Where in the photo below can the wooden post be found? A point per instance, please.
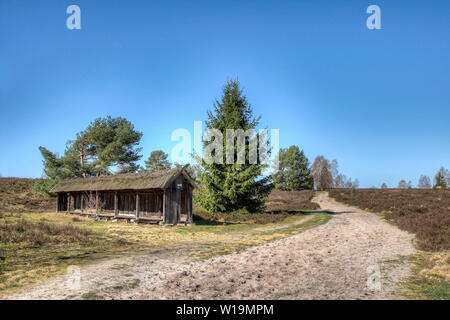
(164, 207)
(137, 205)
(81, 201)
(69, 198)
(96, 201)
(189, 203)
(116, 204)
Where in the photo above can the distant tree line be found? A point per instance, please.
(441, 181)
(295, 172)
(111, 145)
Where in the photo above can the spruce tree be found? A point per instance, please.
(293, 172)
(226, 186)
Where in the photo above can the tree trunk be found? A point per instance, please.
(81, 156)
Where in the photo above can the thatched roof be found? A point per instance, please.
(131, 181)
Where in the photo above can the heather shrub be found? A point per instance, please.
(41, 233)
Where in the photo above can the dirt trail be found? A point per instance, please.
(109, 279)
(332, 261)
(328, 262)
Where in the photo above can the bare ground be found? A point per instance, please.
(332, 261)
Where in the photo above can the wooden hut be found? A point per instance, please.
(163, 196)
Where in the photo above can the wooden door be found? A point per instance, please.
(172, 207)
(177, 206)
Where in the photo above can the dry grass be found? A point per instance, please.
(25, 263)
(431, 277)
(39, 245)
(203, 217)
(41, 233)
(438, 266)
(36, 246)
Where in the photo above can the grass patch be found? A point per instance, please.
(202, 217)
(431, 277)
(428, 289)
(243, 238)
(91, 295)
(37, 246)
(25, 262)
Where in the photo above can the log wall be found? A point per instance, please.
(170, 206)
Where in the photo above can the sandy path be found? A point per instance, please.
(109, 279)
(332, 261)
(328, 262)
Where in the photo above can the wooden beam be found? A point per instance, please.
(189, 204)
(164, 206)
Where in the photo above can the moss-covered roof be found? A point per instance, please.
(131, 181)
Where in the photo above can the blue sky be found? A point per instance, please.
(376, 100)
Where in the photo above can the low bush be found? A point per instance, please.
(16, 196)
(278, 207)
(286, 201)
(41, 187)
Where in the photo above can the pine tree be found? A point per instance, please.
(106, 143)
(293, 172)
(440, 180)
(232, 186)
(157, 161)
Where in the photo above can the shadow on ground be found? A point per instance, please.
(325, 212)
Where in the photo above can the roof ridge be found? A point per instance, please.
(121, 175)
(141, 180)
